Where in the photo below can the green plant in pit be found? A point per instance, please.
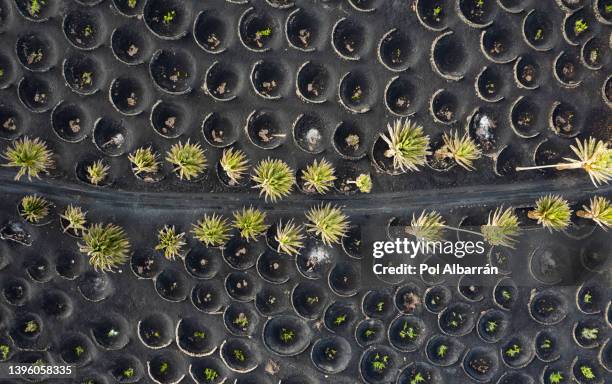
(491, 326)
(4, 352)
(379, 363)
(163, 368)
(363, 182)
(132, 3)
(112, 333)
(480, 3)
(88, 30)
(289, 238)
(287, 335)
(580, 26)
(188, 159)
(501, 227)
(587, 372)
(553, 212)
(75, 219)
(506, 294)
(513, 351)
(78, 350)
(1, 72)
(274, 178)
(241, 320)
(369, 333)
(35, 6)
(250, 222)
(97, 172)
(608, 8)
(312, 300)
(380, 306)
(210, 374)
(546, 344)
(589, 333)
(407, 145)
(587, 298)
(266, 32)
(31, 327)
(555, 377)
(429, 226)
(418, 378)
(408, 332)
(441, 350)
(330, 353)
(169, 16)
(31, 156)
(107, 246)
(199, 335)
(462, 149)
(437, 11)
(539, 34)
(129, 373)
(592, 155)
(600, 211)
(171, 242)
(34, 208)
(339, 320)
(319, 176)
(212, 231)
(234, 163)
(239, 355)
(328, 222)
(144, 160)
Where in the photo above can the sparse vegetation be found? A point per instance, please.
(169, 17)
(31, 156)
(287, 335)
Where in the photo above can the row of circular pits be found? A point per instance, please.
(195, 339)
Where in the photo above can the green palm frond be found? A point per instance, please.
(107, 246)
(599, 210)
(35, 208)
(319, 176)
(289, 238)
(429, 226)
(212, 231)
(250, 222)
(144, 160)
(75, 218)
(31, 156)
(408, 145)
(501, 228)
(171, 242)
(462, 149)
(188, 159)
(235, 164)
(274, 178)
(553, 212)
(328, 222)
